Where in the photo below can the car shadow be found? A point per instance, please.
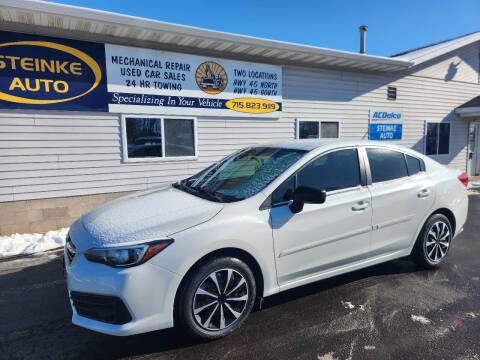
(160, 341)
(371, 274)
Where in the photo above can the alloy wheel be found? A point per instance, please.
(220, 300)
(437, 241)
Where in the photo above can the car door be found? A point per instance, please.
(400, 201)
(322, 236)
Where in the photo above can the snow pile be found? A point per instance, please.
(31, 243)
(348, 305)
(421, 319)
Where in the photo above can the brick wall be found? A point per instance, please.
(42, 215)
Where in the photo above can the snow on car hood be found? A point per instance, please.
(145, 216)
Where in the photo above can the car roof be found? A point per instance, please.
(312, 144)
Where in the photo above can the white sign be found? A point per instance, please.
(160, 82)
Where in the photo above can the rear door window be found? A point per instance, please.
(386, 164)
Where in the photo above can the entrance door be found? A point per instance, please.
(477, 150)
(473, 149)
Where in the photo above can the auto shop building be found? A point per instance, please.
(95, 104)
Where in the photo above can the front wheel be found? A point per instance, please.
(216, 298)
(434, 242)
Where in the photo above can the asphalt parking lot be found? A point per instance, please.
(389, 311)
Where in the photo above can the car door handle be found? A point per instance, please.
(361, 205)
(424, 193)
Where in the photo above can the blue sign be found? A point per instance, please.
(38, 72)
(172, 101)
(385, 132)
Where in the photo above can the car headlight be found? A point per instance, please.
(126, 256)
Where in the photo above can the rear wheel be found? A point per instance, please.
(216, 298)
(434, 242)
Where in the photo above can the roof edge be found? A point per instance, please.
(468, 111)
(449, 46)
(156, 25)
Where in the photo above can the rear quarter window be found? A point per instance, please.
(414, 165)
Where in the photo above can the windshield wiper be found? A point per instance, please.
(210, 195)
(197, 191)
(182, 186)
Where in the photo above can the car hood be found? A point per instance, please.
(144, 216)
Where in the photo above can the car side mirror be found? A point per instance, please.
(306, 195)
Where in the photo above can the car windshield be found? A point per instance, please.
(242, 174)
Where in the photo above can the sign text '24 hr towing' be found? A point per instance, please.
(151, 69)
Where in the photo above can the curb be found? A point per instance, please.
(21, 256)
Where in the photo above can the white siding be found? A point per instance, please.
(460, 65)
(67, 154)
(63, 154)
(423, 95)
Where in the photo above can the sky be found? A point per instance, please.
(393, 26)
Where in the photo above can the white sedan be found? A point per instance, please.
(198, 254)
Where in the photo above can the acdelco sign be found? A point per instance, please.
(385, 124)
(47, 73)
(385, 115)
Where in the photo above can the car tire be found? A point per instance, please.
(211, 309)
(433, 242)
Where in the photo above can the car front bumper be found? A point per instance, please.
(146, 292)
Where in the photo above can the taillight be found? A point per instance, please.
(463, 177)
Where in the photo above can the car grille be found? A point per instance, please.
(103, 308)
(70, 249)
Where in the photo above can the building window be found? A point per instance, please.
(437, 139)
(148, 138)
(179, 137)
(314, 129)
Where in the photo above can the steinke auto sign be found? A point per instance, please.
(44, 73)
(58, 74)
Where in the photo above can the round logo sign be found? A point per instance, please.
(211, 77)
